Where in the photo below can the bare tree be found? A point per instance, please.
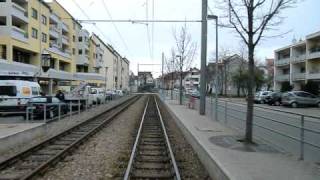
(183, 53)
(251, 19)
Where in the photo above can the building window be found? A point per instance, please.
(80, 51)
(34, 33)
(34, 13)
(2, 0)
(3, 51)
(73, 51)
(44, 37)
(80, 39)
(44, 19)
(74, 38)
(3, 20)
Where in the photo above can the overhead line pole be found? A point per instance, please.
(202, 109)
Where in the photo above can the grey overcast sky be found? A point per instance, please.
(131, 40)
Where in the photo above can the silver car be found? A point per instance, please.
(297, 98)
(260, 96)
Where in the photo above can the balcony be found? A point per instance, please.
(283, 77)
(19, 12)
(65, 27)
(82, 60)
(314, 53)
(299, 58)
(88, 76)
(314, 75)
(65, 40)
(54, 48)
(54, 31)
(282, 62)
(299, 76)
(19, 34)
(55, 18)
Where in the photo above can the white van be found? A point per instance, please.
(14, 95)
(98, 94)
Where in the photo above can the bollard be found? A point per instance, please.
(225, 111)
(302, 138)
(32, 113)
(87, 104)
(45, 113)
(59, 112)
(79, 106)
(27, 114)
(70, 106)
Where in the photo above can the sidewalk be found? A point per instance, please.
(226, 158)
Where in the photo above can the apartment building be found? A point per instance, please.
(191, 79)
(298, 63)
(32, 30)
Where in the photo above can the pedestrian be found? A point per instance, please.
(60, 95)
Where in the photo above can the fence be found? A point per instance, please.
(296, 133)
(56, 111)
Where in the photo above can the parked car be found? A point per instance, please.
(274, 98)
(195, 94)
(300, 98)
(37, 104)
(98, 94)
(260, 96)
(14, 95)
(119, 93)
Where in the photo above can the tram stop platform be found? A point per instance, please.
(225, 158)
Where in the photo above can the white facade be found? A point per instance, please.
(298, 63)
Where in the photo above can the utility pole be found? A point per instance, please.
(162, 84)
(202, 110)
(180, 88)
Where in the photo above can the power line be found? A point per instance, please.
(148, 32)
(115, 26)
(140, 20)
(87, 16)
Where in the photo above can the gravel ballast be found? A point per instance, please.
(188, 162)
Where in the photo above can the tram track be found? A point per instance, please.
(152, 156)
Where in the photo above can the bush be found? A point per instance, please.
(286, 87)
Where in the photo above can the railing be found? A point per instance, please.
(73, 108)
(65, 26)
(20, 11)
(19, 34)
(314, 75)
(289, 131)
(284, 77)
(299, 76)
(299, 58)
(282, 61)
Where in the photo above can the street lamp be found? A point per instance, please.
(217, 68)
(45, 61)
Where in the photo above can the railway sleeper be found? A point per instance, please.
(152, 174)
(152, 165)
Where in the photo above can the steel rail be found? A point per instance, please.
(134, 152)
(176, 170)
(93, 124)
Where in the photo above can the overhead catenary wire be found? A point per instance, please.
(115, 26)
(87, 16)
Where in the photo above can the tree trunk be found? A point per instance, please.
(180, 92)
(249, 118)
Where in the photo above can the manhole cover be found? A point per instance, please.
(234, 142)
